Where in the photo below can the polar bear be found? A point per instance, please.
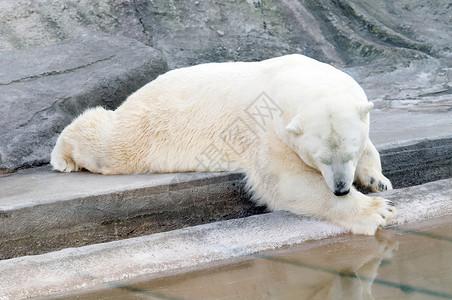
(298, 129)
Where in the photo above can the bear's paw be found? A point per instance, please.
(373, 180)
(378, 212)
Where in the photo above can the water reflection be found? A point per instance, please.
(347, 267)
(397, 263)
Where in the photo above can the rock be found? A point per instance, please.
(187, 32)
(43, 89)
(402, 61)
(343, 32)
(399, 51)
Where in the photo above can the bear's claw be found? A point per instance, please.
(382, 186)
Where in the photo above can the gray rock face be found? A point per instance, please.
(399, 51)
(187, 32)
(43, 89)
(191, 32)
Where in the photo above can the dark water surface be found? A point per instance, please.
(405, 262)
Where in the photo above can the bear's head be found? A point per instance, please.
(331, 139)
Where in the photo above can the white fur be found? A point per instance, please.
(310, 138)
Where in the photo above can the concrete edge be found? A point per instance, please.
(190, 192)
(171, 182)
(100, 264)
(124, 214)
(411, 142)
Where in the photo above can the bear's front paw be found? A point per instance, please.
(373, 181)
(378, 212)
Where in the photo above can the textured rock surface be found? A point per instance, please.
(419, 163)
(348, 31)
(400, 51)
(188, 32)
(43, 89)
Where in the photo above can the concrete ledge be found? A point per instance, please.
(389, 129)
(415, 148)
(42, 210)
(101, 264)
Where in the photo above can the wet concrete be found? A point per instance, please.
(403, 262)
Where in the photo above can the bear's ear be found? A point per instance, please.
(364, 109)
(295, 127)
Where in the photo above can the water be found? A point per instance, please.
(405, 262)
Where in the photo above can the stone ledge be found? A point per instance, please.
(45, 210)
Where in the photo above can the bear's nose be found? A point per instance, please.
(340, 189)
(341, 192)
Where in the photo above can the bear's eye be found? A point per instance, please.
(349, 157)
(326, 161)
(323, 158)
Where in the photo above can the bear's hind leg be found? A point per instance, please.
(61, 157)
(368, 173)
(84, 143)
